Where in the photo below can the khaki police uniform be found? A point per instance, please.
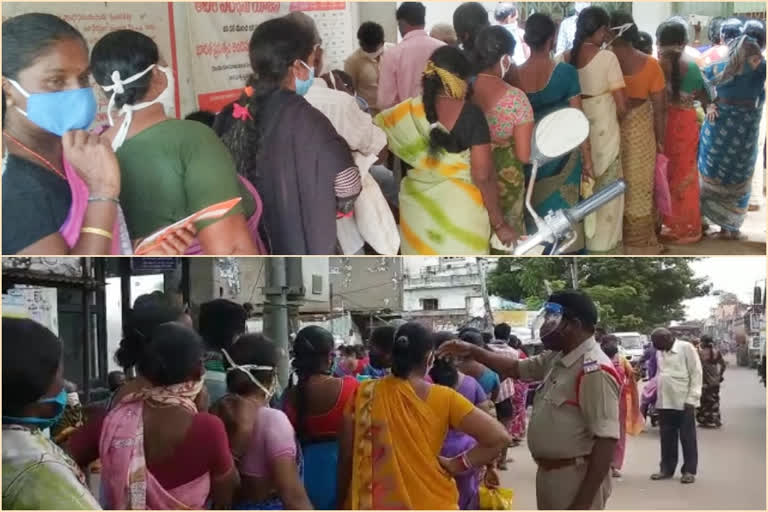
(578, 401)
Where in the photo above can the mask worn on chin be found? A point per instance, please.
(165, 98)
(302, 86)
(59, 400)
(61, 111)
(375, 55)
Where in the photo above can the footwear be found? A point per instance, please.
(661, 476)
(687, 479)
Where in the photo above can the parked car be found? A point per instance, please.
(632, 346)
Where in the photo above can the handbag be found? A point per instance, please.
(492, 495)
(662, 195)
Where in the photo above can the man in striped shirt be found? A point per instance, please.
(505, 411)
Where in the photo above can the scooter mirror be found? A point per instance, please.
(559, 133)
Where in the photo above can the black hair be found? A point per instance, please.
(632, 34)
(730, 30)
(347, 350)
(577, 305)
(359, 351)
(491, 45)
(715, 24)
(370, 35)
(504, 10)
(473, 336)
(707, 340)
(515, 342)
(539, 28)
(413, 342)
(468, 20)
(29, 36)
(610, 345)
(149, 311)
(115, 379)
(312, 348)
(202, 116)
(250, 349)
(413, 13)
(673, 33)
(31, 360)
(590, 20)
(644, 43)
(221, 321)
(173, 352)
(487, 338)
(502, 331)
(275, 45)
(454, 61)
(444, 371)
(128, 52)
(342, 79)
(756, 30)
(384, 338)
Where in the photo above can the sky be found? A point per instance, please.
(735, 274)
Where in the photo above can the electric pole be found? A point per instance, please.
(276, 313)
(484, 291)
(574, 272)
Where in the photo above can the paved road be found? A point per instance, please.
(732, 473)
(753, 243)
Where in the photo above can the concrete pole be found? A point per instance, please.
(276, 313)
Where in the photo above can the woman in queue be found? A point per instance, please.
(642, 136)
(604, 103)
(262, 440)
(510, 119)
(182, 458)
(287, 149)
(685, 86)
(315, 405)
(37, 474)
(449, 201)
(61, 185)
(394, 433)
(550, 86)
(729, 144)
(189, 168)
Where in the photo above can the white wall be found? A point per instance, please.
(447, 298)
(648, 15)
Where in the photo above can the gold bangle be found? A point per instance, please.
(97, 231)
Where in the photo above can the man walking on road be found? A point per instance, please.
(678, 395)
(574, 426)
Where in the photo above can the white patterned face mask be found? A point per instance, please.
(247, 368)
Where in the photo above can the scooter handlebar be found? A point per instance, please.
(609, 193)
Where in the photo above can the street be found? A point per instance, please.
(731, 460)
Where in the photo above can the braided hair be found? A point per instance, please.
(447, 61)
(673, 34)
(275, 45)
(590, 20)
(312, 350)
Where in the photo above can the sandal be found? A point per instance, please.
(687, 479)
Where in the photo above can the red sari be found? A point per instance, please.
(681, 144)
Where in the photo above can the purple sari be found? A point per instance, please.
(457, 443)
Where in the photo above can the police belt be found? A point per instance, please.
(553, 464)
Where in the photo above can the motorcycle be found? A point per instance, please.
(558, 228)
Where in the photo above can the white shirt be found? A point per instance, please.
(373, 221)
(680, 377)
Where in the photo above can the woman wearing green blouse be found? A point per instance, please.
(170, 169)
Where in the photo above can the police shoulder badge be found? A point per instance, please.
(590, 366)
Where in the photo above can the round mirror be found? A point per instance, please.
(560, 132)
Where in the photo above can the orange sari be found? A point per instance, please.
(398, 437)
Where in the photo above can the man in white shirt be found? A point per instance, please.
(678, 396)
(506, 15)
(567, 30)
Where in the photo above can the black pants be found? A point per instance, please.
(674, 425)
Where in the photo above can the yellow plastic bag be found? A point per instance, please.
(496, 498)
(492, 495)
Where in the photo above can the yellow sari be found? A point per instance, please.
(398, 438)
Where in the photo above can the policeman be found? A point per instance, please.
(574, 426)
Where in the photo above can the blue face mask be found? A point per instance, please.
(43, 423)
(62, 111)
(302, 86)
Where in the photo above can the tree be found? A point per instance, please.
(632, 294)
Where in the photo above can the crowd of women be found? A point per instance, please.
(202, 421)
(465, 139)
